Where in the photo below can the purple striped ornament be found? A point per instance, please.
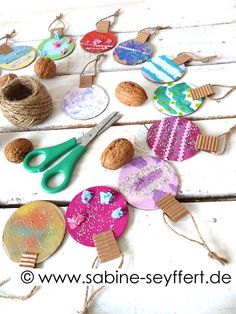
(173, 138)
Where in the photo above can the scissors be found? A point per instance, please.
(66, 166)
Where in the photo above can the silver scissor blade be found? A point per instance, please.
(99, 128)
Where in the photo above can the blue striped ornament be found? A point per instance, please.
(162, 69)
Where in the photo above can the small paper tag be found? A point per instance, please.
(172, 208)
(107, 246)
(5, 49)
(28, 260)
(59, 31)
(207, 143)
(182, 58)
(86, 81)
(103, 26)
(202, 91)
(142, 37)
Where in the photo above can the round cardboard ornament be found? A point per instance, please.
(162, 69)
(173, 138)
(87, 100)
(96, 210)
(59, 45)
(144, 180)
(37, 227)
(15, 57)
(175, 99)
(101, 39)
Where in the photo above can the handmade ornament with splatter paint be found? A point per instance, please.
(176, 138)
(164, 69)
(59, 45)
(151, 183)
(15, 57)
(35, 228)
(87, 100)
(100, 214)
(145, 179)
(102, 39)
(181, 99)
(137, 50)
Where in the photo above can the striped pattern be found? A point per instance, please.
(202, 91)
(28, 260)
(162, 69)
(182, 58)
(107, 246)
(173, 138)
(86, 81)
(172, 208)
(207, 143)
(142, 37)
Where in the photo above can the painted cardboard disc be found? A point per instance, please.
(95, 210)
(85, 103)
(162, 69)
(37, 227)
(131, 52)
(173, 138)
(20, 57)
(174, 99)
(144, 180)
(56, 48)
(97, 42)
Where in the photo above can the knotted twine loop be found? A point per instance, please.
(195, 57)
(59, 19)
(25, 101)
(154, 30)
(14, 297)
(211, 254)
(87, 300)
(95, 64)
(225, 137)
(8, 36)
(115, 15)
(231, 89)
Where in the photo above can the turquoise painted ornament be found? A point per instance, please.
(175, 99)
(15, 57)
(58, 46)
(164, 69)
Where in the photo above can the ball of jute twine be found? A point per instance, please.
(25, 101)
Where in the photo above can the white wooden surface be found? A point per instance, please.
(205, 27)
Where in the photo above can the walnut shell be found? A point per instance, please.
(131, 94)
(45, 68)
(16, 150)
(117, 154)
(7, 78)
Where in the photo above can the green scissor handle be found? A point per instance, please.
(66, 167)
(51, 154)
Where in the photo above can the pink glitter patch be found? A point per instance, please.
(173, 138)
(98, 218)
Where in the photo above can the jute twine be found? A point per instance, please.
(25, 101)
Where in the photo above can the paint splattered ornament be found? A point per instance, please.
(137, 50)
(15, 57)
(95, 210)
(101, 39)
(59, 45)
(86, 100)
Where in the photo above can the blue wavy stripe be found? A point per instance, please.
(152, 75)
(171, 63)
(159, 68)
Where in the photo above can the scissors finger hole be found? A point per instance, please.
(56, 180)
(37, 160)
